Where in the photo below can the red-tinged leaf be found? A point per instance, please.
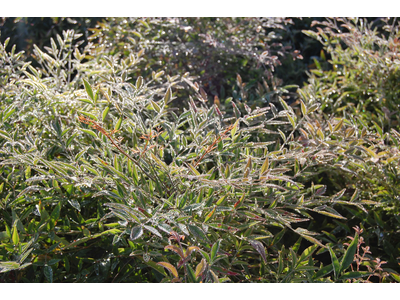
(190, 249)
(175, 236)
(208, 217)
(237, 204)
(169, 267)
(260, 248)
(200, 268)
(176, 249)
(321, 191)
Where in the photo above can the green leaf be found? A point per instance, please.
(191, 274)
(324, 271)
(265, 166)
(278, 237)
(88, 89)
(4, 236)
(395, 276)
(303, 108)
(156, 267)
(291, 120)
(118, 125)
(15, 236)
(136, 232)
(139, 82)
(168, 96)
(338, 125)
(197, 232)
(153, 230)
(214, 251)
(353, 275)
(348, 257)
(9, 265)
(105, 112)
(48, 273)
(209, 215)
(335, 263)
(378, 128)
(90, 132)
(307, 252)
(55, 214)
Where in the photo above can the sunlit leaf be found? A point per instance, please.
(136, 232)
(169, 267)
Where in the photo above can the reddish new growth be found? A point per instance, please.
(211, 147)
(96, 126)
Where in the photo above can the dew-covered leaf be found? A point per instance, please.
(136, 232)
(260, 248)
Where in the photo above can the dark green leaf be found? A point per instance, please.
(214, 251)
(335, 263)
(353, 275)
(349, 255)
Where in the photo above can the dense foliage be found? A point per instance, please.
(179, 150)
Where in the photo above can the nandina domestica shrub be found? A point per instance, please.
(105, 180)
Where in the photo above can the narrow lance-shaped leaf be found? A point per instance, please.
(335, 263)
(176, 249)
(265, 166)
(197, 232)
(338, 125)
(48, 273)
(88, 89)
(303, 108)
(348, 257)
(15, 236)
(208, 217)
(153, 230)
(105, 112)
(168, 96)
(354, 275)
(214, 250)
(200, 268)
(190, 249)
(260, 248)
(169, 267)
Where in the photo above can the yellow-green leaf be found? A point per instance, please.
(200, 268)
(338, 125)
(169, 267)
(88, 89)
(265, 166)
(208, 217)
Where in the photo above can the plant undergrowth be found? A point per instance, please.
(104, 178)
